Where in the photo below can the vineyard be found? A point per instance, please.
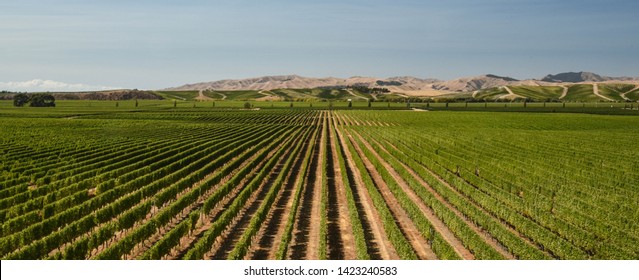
(308, 183)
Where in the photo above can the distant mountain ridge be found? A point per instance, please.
(474, 83)
(397, 84)
(296, 81)
(580, 77)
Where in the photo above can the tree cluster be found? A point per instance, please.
(375, 90)
(34, 100)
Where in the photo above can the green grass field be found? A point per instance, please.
(490, 94)
(581, 93)
(89, 180)
(633, 95)
(614, 91)
(240, 95)
(179, 95)
(538, 93)
(213, 94)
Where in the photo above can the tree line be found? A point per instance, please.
(34, 100)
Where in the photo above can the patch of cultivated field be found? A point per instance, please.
(490, 94)
(611, 89)
(616, 92)
(581, 93)
(633, 95)
(538, 93)
(303, 183)
(179, 95)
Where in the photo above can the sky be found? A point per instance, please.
(156, 44)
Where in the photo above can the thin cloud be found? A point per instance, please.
(38, 85)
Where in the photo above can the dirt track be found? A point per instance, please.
(623, 95)
(595, 90)
(202, 97)
(510, 95)
(564, 93)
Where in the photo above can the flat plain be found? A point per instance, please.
(300, 180)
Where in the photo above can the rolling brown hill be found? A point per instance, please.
(405, 84)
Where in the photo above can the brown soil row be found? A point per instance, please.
(481, 208)
(485, 236)
(385, 249)
(312, 251)
(270, 235)
(406, 225)
(206, 220)
(340, 227)
(117, 235)
(370, 234)
(139, 248)
(351, 121)
(226, 241)
(438, 224)
(148, 243)
(264, 239)
(305, 241)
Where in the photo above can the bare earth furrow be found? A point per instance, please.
(270, 234)
(406, 225)
(385, 247)
(486, 237)
(338, 202)
(506, 225)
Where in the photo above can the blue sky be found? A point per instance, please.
(157, 44)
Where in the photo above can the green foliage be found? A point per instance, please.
(240, 95)
(538, 93)
(20, 99)
(615, 91)
(395, 235)
(633, 95)
(242, 245)
(491, 94)
(358, 230)
(581, 93)
(290, 222)
(101, 181)
(34, 100)
(42, 100)
(520, 186)
(179, 95)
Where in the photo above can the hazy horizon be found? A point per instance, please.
(158, 44)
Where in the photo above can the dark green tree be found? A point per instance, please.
(20, 100)
(42, 100)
